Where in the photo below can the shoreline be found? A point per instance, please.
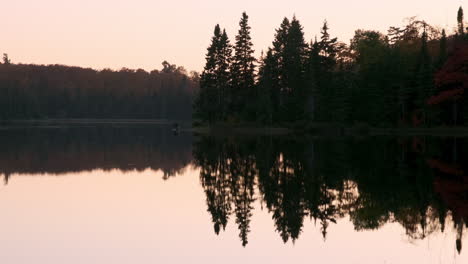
(328, 130)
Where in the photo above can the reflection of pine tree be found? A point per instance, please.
(325, 181)
(215, 179)
(243, 192)
(286, 202)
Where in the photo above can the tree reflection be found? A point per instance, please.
(77, 149)
(372, 181)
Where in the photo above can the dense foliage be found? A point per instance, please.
(55, 91)
(414, 75)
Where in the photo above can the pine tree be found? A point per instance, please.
(461, 26)
(327, 57)
(328, 48)
(211, 104)
(266, 77)
(311, 76)
(206, 102)
(425, 87)
(442, 49)
(243, 72)
(295, 52)
(279, 84)
(223, 75)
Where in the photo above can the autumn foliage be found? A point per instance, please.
(453, 77)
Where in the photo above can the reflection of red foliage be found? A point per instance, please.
(445, 168)
(453, 77)
(454, 195)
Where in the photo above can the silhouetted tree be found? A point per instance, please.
(279, 85)
(6, 60)
(294, 56)
(266, 79)
(243, 73)
(212, 104)
(460, 22)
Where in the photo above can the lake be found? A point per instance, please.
(142, 194)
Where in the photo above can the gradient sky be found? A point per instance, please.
(143, 33)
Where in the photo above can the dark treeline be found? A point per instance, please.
(60, 151)
(420, 183)
(56, 91)
(414, 75)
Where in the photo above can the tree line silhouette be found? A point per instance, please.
(419, 183)
(414, 75)
(56, 91)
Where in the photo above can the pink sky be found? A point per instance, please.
(143, 33)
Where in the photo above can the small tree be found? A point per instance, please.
(6, 60)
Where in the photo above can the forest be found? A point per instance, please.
(414, 75)
(57, 91)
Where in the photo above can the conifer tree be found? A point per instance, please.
(328, 48)
(460, 23)
(295, 52)
(243, 72)
(425, 87)
(223, 75)
(266, 77)
(279, 82)
(327, 61)
(212, 102)
(311, 76)
(442, 49)
(206, 101)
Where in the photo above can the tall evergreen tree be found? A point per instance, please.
(211, 104)
(425, 87)
(223, 75)
(311, 76)
(295, 52)
(243, 72)
(460, 23)
(442, 49)
(279, 82)
(266, 77)
(328, 51)
(207, 98)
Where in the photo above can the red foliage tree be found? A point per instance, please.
(452, 79)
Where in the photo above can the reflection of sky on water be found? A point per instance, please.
(137, 217)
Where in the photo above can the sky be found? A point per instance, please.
(143, 33)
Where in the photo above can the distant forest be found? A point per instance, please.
(413, 75)
(56, 91)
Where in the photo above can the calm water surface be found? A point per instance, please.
(145, 195)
